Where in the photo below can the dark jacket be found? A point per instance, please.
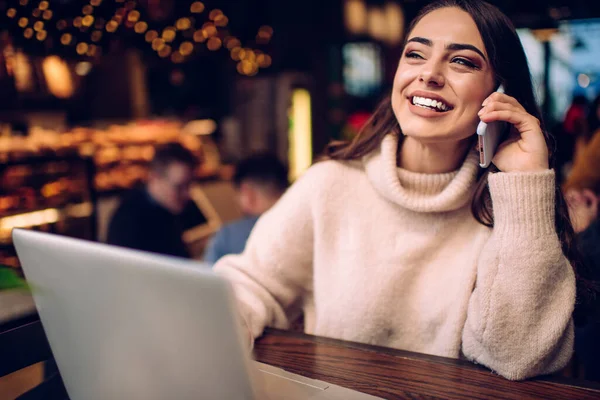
(143, 224)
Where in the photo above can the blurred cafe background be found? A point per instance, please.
(88, 89)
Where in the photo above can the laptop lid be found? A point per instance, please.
(124, 324)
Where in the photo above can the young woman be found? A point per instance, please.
(401, 240)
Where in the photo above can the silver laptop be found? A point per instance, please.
(124, 324)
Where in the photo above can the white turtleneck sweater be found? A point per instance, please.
(376, 254)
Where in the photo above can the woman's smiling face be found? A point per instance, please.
(443, 77)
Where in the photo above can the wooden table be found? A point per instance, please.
(389, 373)
(395, 374)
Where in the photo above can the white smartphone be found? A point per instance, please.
(489, 136)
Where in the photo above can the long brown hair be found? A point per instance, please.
(509, 62)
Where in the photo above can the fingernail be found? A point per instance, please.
(481, 111)
(485, 102)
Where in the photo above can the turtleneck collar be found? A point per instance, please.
(417, 191)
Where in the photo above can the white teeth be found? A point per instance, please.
(425, 102)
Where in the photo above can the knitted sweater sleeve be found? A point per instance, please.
(275, 269)
(519, 317)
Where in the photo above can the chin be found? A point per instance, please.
(433, 131)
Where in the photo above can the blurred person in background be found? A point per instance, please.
(571, 132)
(259, 180)
(400, 239)
(582, 190)
(153, 218)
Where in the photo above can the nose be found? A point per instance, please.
(432, 74)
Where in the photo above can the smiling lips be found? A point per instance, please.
(430, 103)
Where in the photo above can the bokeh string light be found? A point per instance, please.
(85, 33)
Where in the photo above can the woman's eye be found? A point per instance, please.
(465, 62)
(412, 54)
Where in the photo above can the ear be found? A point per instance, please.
(247, 190)
(591, 199)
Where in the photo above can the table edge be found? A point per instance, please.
(556, 380)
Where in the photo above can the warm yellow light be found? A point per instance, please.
(83, 68)
(77, 22)
(38, 26)
(300, 134)
(395, 23)
(133, 16)
(140, 27)
(200, 127)
(36, 13)
(169, 34)
(66, 38)
(87, 10)
(165, 51)
(11, 13)
(214, 14)
(28, 33)
(186, 48)
(221, 21)
(249, 55)
(199, 36)
(264, 60)
(214, 44)
(88, 20)
(254, 70)
(28, 220)
(355, 16)
(112, 26)
(95, 3)
(235, 53)
(23, 2)
(151, 35)
(377, 25)
(209, 29)
(183, 23)
(47, 15)
(233, 43)
(43, 5)
(177, 57)
(41, 35)
(23, 22)
(197, 7)
(544, 35)
(81, 48)
(58, 77)
(247, 67)
(158, 44)
(23, 72)
(61, 25)
(96, 36)
(239, 68)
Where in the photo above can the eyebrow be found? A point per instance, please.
(451, 46)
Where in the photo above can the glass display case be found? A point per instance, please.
(51, 194)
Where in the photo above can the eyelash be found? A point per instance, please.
(458, 60)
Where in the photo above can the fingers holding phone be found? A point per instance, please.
(525, 149)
